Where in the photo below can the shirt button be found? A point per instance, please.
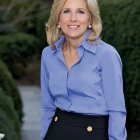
(89, 128)
(56, 119)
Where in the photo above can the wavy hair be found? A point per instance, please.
(54, 33)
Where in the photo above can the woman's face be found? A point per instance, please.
(74, 19)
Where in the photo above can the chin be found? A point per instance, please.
(75, 35)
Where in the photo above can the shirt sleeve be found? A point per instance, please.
(113, 92)
(47, 100)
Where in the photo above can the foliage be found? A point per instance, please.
(32, 76)
(5, 26)
(121, 29)
(8, 85)
(42, 18)
(9, 123)
(21, 15)
(16, 50)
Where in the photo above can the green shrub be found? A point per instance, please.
(32, 76)
(9, 123)
(16, 50)
(121, 28)
(42, 18)
(5, 26)
(10, 89)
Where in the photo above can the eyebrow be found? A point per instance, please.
(76, 9)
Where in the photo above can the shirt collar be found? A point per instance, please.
(59, 44)
(91, 47)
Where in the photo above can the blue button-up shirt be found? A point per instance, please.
(93, 85)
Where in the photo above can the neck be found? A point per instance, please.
(71, 45)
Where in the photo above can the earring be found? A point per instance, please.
(89, 26)
(58, 26)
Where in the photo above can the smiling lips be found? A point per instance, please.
(73, 26)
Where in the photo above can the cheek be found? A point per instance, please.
(84, 20)
(63, 19)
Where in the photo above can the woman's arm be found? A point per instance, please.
(113, 90)
(47, 100)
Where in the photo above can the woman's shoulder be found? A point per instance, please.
(106, 49)
(47, 51)
(108, 53)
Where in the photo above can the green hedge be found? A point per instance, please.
(121, 28)
(9, 123)
(16, 50)
(42, 18)
(10, 89)
(5, 26)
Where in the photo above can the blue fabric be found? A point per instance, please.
(93, 86)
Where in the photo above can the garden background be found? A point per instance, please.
(22, 38)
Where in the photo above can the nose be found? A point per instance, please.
(73, 17)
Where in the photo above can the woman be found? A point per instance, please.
(81, 77)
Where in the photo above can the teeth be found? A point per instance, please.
(73, 26)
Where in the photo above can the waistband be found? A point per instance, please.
(81, 120)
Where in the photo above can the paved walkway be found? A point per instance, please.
(31, 102)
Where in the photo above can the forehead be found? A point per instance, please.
(75, 4)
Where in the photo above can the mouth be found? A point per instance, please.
(74, 26)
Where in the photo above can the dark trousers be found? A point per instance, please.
(74, 126)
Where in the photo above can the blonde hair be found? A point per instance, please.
(54, 33)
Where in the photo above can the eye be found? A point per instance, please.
(81, 12)
(66, 11)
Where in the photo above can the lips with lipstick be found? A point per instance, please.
(73, 26)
